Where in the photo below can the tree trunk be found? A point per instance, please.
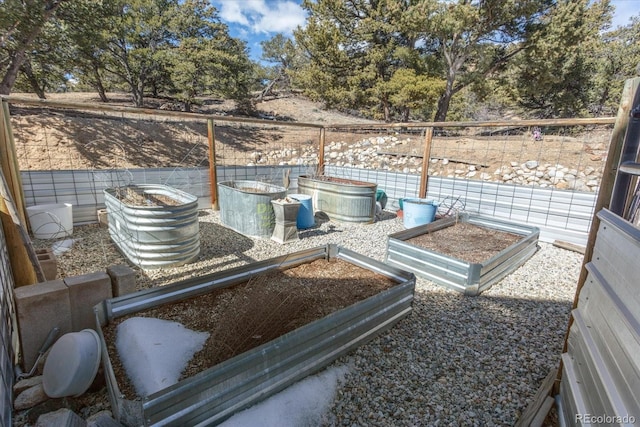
(11, 75)
(98, 86)
(137, 92)
(405, 114)
(32, 79)
(386, 110)
(20, 55)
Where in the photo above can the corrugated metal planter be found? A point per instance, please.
(343, 200)
(245, 206)
(466, 277)
(215, 394)
(149, 232)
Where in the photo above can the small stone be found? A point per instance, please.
(62, 417)
(30, 397)
(26, 383)
(102, 419)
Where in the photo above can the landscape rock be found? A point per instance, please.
(30, 397)
(26, 383)
(62, 417)
(102, 419)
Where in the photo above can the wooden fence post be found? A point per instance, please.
(9, 163)
(213, 175)
(320, 170)
(426, 155)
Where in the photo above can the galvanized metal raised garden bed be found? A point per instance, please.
(150, 233)
(245, 206)
(215, 394)
(343, 200)
(470, 278)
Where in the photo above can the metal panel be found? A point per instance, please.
(559, 214)
(8, 333)
(462, 276)
(571, 401)
(604, 339)
(215, 394)
(154, 236)
(245, 206)
(344, 200)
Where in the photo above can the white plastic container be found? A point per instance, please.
(72, 364)
(51, 221)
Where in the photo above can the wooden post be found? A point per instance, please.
(320, 170)
(9, 162)
(213, 175)
(426, 157)
(25, 267)
(604, 195)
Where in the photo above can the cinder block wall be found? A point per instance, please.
(66, 304)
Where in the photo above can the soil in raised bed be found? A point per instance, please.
(466, 242)
(132, 197)
(253, 313)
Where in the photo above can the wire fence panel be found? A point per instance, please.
(544, 173)
(8, 335)
(265, 151)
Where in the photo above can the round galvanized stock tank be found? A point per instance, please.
(245, 206)
(152, 233)
(343, 200)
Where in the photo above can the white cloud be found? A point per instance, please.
(262, 16)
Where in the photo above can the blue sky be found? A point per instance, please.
(257, 20)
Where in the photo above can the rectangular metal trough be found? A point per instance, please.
(213, 395)
(468, 278)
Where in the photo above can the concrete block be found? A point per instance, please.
(48, 262)
(103, 218)
(123, 279)
(85, 291)
(40, 308)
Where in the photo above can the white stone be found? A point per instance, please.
(531, 164)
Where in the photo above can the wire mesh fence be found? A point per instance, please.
(544, 172)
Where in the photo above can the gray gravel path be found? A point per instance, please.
(455, 360)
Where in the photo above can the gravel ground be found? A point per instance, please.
(455, 360)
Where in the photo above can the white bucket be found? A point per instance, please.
(51, 221)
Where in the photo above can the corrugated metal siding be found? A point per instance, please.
(560, 214)
(602, 363)
(84, 189)
(157, 235)
(8, 333)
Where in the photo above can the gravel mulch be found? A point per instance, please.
(455, 360)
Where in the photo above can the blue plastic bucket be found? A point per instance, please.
(418, 212)
(305, 217)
